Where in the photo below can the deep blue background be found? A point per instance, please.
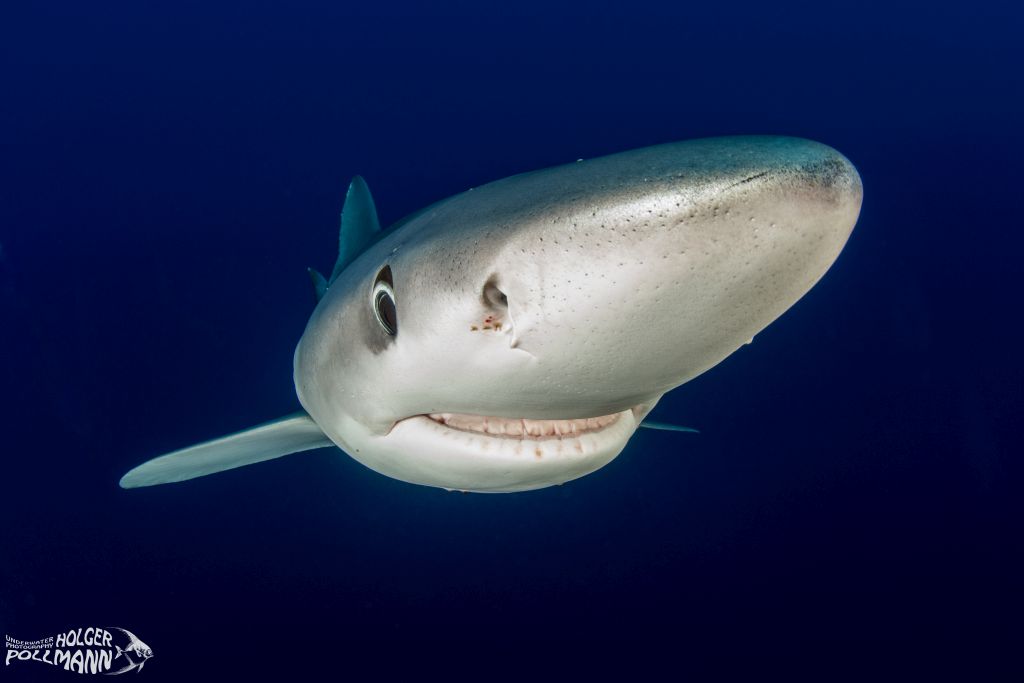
(167, 173)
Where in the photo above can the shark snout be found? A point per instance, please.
(667, 276)
(820, 187)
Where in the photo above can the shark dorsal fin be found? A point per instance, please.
(359, 225)
(359, 228)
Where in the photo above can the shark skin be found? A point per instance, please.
(515, 336)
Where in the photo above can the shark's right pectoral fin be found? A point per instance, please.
(666, 427)
(287, 435)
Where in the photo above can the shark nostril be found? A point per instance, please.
(493, 296)
(496, 309)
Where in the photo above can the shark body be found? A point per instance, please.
(515, 336)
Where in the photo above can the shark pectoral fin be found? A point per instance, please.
(319, 284)
(287, 435)
(664, 426)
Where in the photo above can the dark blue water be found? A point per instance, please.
(168, 172)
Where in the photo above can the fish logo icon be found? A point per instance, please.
(86, 650)
(136, 653)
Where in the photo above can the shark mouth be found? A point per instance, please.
(463, 452)
(524, 428)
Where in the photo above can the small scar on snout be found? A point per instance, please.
(489, 324)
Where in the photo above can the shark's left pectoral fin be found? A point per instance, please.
(290, 434)
(319, 283)
(664, 426)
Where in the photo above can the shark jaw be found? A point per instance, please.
(487, 454)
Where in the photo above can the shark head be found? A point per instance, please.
(514, 336)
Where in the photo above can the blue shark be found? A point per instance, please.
(516, 335)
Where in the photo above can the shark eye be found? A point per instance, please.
(383, 301)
